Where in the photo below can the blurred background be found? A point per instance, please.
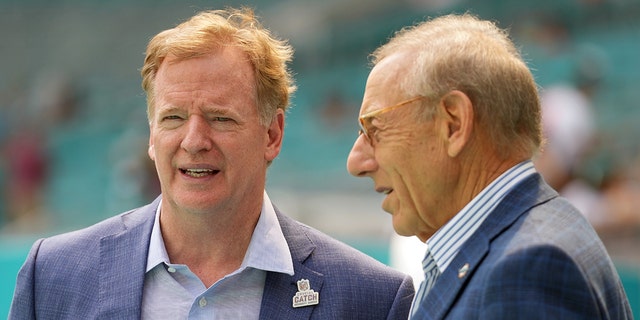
(73, 132)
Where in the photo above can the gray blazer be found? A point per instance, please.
(98, 273)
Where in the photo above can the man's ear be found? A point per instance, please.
(458, 116)
(275, 134)
(151, 151)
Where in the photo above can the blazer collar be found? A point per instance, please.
(529, 193)
(280, 288)
(123, 261)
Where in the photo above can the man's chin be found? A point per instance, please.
(400, 227)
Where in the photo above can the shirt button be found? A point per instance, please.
(171, 269)
(202, 302)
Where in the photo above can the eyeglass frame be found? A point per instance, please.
(361, 119)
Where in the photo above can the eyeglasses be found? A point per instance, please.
(366, 119)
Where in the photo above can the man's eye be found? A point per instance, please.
(373, 133)
(172, 117)
(222, 119)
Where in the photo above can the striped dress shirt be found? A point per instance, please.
(446, 242)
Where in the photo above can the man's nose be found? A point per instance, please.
(361, 160)
(198, 135)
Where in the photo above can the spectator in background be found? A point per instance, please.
(27, 171)
(570, 127)
(450, 121)
(52, 102)
(213, 245)
(26, 159)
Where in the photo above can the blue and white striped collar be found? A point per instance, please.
(446, 242)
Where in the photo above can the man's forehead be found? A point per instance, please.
(384, 83)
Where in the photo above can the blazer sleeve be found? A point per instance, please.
(23, 304)
(403, 300)
(539, 283)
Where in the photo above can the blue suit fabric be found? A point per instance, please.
(98, 273)
(534, 257)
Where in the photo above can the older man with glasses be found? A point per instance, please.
(450, 121)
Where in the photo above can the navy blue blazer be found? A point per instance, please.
(98, 273)
(534, 257)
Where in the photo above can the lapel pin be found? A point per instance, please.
(305, 295)
(463, 271)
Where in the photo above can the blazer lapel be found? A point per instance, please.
(280, 288)
(529, 193)
(123, 263)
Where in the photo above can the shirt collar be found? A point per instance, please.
(446, 242)
(268, 249)
(157, 251)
